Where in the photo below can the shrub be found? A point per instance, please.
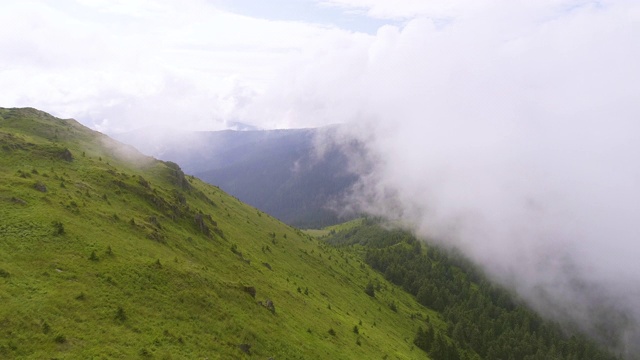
(369, 290)
(332, 332)
(245, 348)
(121, 315)
(393, 306)
(93, 256)
(60, 339)
(250, 290)
(355, 329)
(58, 228)
(145, 353)
(234, 249)
(142, 181)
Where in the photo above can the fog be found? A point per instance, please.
(512, 134)
(507, 129)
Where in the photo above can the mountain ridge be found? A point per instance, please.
(104, 258)
(279, 171)
(107, 253)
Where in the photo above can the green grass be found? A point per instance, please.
(334, 228)
(113, 260)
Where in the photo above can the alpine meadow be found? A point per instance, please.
(320, 179)
(106, 253)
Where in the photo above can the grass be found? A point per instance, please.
(334, 228)
(116, 255)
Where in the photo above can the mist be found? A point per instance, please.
(510, 132)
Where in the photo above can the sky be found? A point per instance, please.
(120, 65)
(507, 129)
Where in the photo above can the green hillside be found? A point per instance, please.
(481, 318)
(105, 253)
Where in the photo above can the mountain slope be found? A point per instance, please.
(482, 318)
(277, 171)
(106, 253)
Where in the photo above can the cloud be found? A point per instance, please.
(127, 64)
(409, 9)
(509, 131)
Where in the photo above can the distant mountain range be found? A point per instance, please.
(277, 171)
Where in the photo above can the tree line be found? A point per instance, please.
(483, 320)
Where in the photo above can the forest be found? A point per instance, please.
(484, 321)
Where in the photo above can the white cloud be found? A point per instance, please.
(506, 128)
(510, 131)
(141, 63)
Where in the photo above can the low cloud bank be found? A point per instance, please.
(513, 135)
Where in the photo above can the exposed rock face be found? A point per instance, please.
(40, 186)
(250, 290)
(269, 305)
(199, 219)
(66, 155)
(245, 348)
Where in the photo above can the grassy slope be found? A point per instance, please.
(157, 285)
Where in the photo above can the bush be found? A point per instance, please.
(145, 353)
(93, 256)
(369, 290)
(393, 306)
(234, 249)
(60, 339)
(121, 315)
(250, 290)
(142, 181)
(58, 228)
(332, 332)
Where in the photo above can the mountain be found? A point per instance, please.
(277, 171)
(106, 253)
(482, 320)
